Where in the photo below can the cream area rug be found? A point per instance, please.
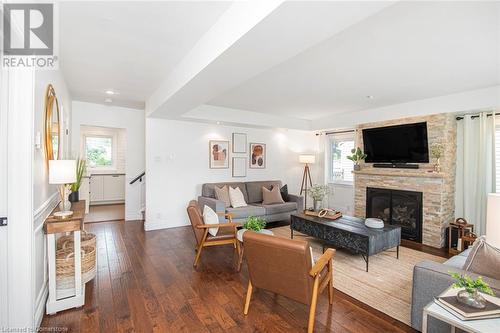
(387, 285)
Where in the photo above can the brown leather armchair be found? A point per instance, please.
(284, 266)
(226, 234)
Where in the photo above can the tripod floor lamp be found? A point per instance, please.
(306, 177)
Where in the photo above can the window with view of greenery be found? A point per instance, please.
(340, 167)
(99, 151)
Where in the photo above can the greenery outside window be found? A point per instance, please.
(99, 151)
(340, 167)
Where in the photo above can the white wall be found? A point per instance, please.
(177, 164)
(132, 121)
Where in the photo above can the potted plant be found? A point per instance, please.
(318, 193)
(356, 157)
(470, 293)
(254, 223)
(81, 167)
(437, 151)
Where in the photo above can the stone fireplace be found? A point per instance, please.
(434, 192)
(396, 207)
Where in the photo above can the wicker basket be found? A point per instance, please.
(87, 239)
(65, 263)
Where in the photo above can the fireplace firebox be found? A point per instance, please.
(402, 208)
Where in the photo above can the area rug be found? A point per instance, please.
(386, 287)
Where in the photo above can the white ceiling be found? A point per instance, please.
(406, 52)
(128, 47)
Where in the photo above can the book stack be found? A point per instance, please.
(449, 302)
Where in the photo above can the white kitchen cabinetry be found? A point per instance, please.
(108, 188)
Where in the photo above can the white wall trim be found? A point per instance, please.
(39, 216)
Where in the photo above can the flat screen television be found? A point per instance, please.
(397, 144)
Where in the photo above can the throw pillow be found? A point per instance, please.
(271, 197)
(284, 192)
(222, 194)
(210, 217)
(483, 259)
(236, 197)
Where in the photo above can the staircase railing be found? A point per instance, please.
(138, 178)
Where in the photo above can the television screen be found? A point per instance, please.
(396, 144)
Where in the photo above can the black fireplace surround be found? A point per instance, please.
(403, 208)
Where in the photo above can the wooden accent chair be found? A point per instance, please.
(292, 275)
(226, 234)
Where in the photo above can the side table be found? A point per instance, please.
(239, 236)
(474, 326)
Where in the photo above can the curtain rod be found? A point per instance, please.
(340, 132)
(477, 116)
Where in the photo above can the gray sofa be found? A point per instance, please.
(252, 191)
(430, 279)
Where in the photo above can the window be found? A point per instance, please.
(99, 151)
(340, 167)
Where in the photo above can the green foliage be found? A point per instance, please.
(470, 285)
(254, 223)
(318, 192)
(81, 166)
(98, 156)
(357, 155)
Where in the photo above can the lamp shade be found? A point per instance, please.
(62, 171)
(308, 159)
(493, 220)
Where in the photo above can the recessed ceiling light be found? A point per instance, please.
(369, 97)
(110, 92)
(108, 100)
(218, 123)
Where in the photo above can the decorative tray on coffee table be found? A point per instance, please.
(324, 213)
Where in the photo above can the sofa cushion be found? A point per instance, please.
(243, 212)
(278, 208)
(458, 261)
(254, 189)
(271, 197)
(484, 259)
(222, 194)
(207, 190)
(236, 197)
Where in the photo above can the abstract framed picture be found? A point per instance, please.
(257, 156)
(219, 154)
(239, 166)
(239, 143)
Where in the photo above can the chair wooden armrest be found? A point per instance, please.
(221, 225)
(228, 216)
(322, 262)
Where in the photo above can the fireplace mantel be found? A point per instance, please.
(389, 172)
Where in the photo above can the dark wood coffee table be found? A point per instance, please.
(349, 233)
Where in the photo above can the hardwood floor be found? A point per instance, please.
(146, 283)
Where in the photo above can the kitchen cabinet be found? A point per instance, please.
(107, 188)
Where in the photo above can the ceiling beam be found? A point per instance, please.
(250, 38)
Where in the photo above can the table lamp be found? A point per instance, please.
(306, 177)
(493, 220)
(62, 173)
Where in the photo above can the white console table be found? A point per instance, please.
(54, 226)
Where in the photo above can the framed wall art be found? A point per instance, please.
(257, 156)
(239, 166)
(218, 154)
(239, 143)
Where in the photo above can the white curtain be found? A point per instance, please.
(475, 173)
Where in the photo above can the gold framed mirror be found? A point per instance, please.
(52, 125)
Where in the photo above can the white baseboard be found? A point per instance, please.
(150, 226)
(133, 217)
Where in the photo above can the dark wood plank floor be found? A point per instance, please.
(146, 283)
